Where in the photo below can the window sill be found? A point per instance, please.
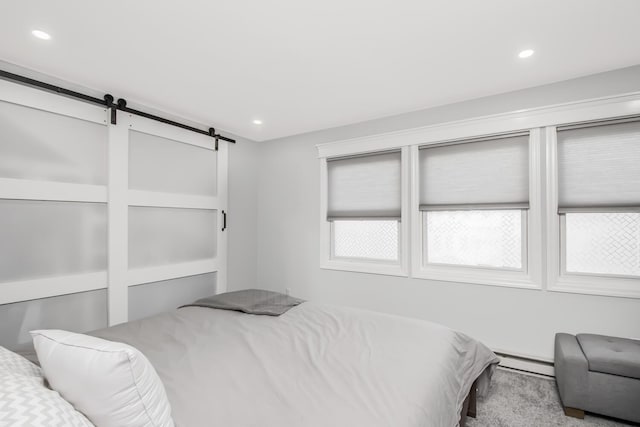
(603, 286)
(510, 279)
(364, 267)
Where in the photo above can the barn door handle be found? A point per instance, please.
(224, 220)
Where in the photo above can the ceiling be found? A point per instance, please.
(301, 66)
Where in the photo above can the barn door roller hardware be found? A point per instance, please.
(108, 99)
(107, 102)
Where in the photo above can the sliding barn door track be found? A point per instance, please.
(108, 102)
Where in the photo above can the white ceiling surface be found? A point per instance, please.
(302, 66)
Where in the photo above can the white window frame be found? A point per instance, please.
(117, 277)
(391, 268)
(528, 277)
(557, 277)
(543, 246)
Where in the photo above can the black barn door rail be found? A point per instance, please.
(107, 102)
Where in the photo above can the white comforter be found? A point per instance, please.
(313, 366)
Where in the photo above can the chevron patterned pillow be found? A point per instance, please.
(16, 364)
(26, 401)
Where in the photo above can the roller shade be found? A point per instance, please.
(491, 173)
(599, 168)
(366, 186)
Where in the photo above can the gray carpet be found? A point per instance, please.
(518, 400)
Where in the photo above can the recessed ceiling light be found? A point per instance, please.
(257, 122)
(41, 34)
(526, 53)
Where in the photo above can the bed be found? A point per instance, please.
(315, 365)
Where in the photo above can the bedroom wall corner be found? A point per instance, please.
(243, 214)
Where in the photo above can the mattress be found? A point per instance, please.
(315, 365)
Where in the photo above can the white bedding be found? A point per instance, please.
(315, 365)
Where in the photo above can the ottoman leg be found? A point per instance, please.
(573, 412)
(571, 369)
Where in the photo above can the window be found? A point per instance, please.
(599, 199)
(363, 210)
(462, 202)
(372, 239)
(474, 196)
(479, 238)
(603, 243)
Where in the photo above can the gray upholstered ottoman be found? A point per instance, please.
(598, 374)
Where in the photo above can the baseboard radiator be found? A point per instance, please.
(526, 364)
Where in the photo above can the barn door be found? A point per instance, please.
(102, 223)
(167, 204)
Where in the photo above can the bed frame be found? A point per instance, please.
(469, 405)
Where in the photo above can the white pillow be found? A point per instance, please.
(112, 383)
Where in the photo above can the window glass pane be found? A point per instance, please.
(603, 243)
(44, 146)
(41, 239)
(165, 165)
(159, 236)
(369, 239)
(167, 295)
(80, 312)
(481, 238)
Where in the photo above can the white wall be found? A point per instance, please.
(513, 320)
